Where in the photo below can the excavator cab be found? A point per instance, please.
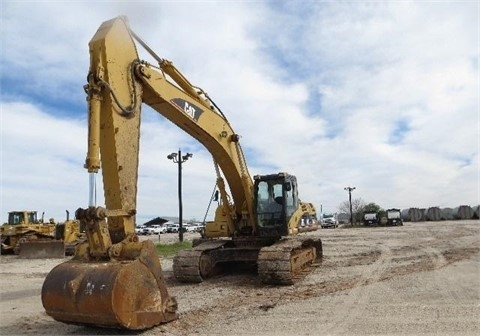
(275, 200)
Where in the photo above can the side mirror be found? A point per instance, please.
(287, 186)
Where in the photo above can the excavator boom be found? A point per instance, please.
(113, 280)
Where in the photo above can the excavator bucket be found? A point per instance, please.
(127, 293)
(42, 249)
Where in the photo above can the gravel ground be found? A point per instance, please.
(419, 279)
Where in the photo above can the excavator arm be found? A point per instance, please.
(115, 280)
(118, 83)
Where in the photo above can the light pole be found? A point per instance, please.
(350, 189)
(179, 159)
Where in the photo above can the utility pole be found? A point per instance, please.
(350, 189)
(179, 159)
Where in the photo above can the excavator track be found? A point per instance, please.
(197, 263)
(288, 260)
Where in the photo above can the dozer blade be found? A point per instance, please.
(128, 294)
(42, 249)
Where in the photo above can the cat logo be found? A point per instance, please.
(189, 109)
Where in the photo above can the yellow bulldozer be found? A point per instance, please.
(72, 233)
(25, 226)
(28, 236)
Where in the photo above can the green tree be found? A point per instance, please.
(359, 208)
(372, 207)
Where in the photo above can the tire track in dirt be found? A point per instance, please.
(19, 294)
(255, 297)
(438, 261)
(377, 265)
(357, 297)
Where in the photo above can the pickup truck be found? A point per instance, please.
(140, 230)
(329, 220)
(157, 229)
(172, 228)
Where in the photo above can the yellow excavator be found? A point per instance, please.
(116, 281)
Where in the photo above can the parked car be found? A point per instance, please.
(329, 221)
(198, 227)
(146, 231)
(139, 230)
(189, 227)
(157, 229)
(172, 227)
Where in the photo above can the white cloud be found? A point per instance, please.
(41, 168)
(375, 66)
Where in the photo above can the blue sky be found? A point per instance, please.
(383, 96)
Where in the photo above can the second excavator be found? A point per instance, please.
(113, 279)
